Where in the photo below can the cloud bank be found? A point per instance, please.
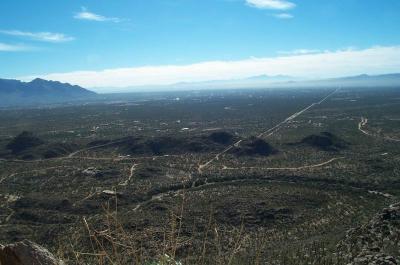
(39, 36)
(374, 60)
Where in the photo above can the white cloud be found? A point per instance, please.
(86, 15)
(284, 16)
(299, 52)
(375, 60)
(39, 36)
(271, 4)
(14, 47)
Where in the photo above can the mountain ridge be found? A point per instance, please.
(270, 81)
(39, 91)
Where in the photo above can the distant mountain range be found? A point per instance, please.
(387, 80)
(39, 91)
(250, 82)
(279, 81)
(282, 81)
(43, 92)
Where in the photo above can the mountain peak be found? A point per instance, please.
(36, 80)
(40, 91)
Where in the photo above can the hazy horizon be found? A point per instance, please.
(157, 43)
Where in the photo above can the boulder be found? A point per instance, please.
(91, 171)
(374, 259)
(27, 253)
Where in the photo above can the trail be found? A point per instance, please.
(85, 158)
(361, 124)
(33, 170)
(267, 133)
(201, 166)
(287, 168)
(160, 196)
(128, 180)
(72, 155)
(122, 183)
(91, 195)
(94, 147)
(274, 129)
(364, 122)
(6, 177)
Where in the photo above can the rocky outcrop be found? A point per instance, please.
(374, 259)
(377, 242)
(26, 253)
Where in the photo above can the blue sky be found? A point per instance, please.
(137, 41)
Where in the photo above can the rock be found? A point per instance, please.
(377, 242)
(386, 195)
(111, 193)
(375, 259)
(27, 253)
(91, 171)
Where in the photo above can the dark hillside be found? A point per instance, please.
(325, 141)
(39, 91)
(24, 141)
(253, 147)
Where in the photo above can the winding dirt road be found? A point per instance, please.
(364, 122)
(288, 168)
(160, 196)
(128, 180)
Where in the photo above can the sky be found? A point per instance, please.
(126, 43)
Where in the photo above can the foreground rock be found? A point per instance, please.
(377, 242)
(26, 253)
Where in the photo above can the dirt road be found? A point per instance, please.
(267, 133)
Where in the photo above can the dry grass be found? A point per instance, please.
(110, 243)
